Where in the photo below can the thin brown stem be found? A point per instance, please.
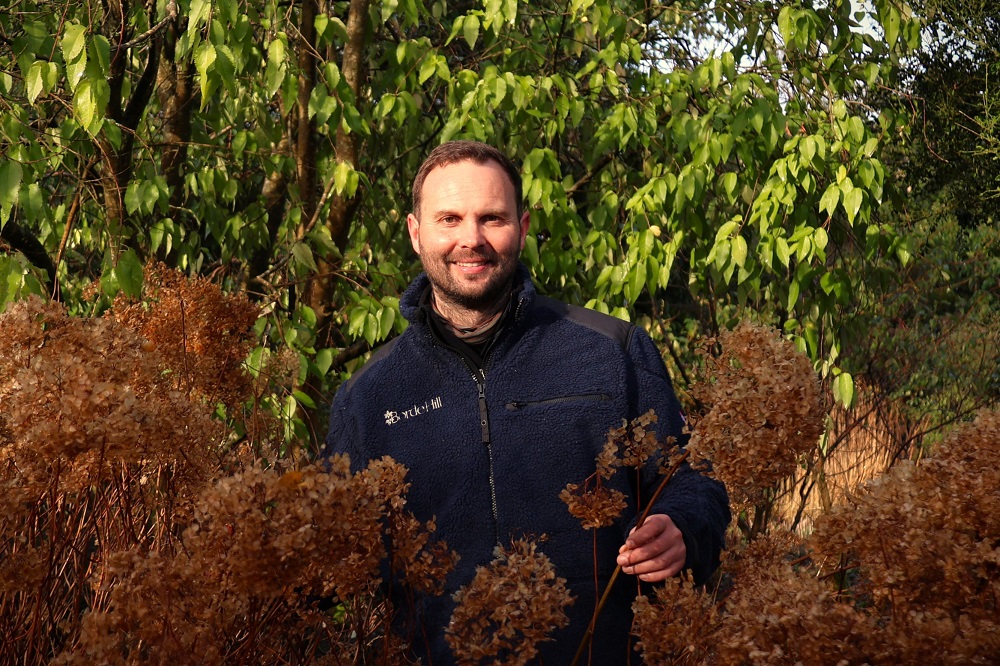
(589, 634)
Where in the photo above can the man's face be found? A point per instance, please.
(467, 233)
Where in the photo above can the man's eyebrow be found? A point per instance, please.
(451, 212)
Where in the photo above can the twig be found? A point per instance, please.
(589, 634)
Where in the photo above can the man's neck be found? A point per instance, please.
(464, 318)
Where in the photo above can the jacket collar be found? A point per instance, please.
(409, 303)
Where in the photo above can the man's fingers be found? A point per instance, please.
(655, 551)
(652, 528)
(662, 566)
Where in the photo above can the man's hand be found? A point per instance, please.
(655, 551)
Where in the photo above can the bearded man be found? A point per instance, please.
(496, 397)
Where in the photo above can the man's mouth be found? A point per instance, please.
(472, 262)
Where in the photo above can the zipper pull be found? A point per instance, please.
(484, 417)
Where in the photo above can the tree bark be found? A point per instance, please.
(174, 88)
(117, 162)
(319, 292)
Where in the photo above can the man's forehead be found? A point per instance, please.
(448, 176)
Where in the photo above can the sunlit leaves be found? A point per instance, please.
(42, 79)
(843, 388)
(276, 65)
(11, 173)
(373, 320)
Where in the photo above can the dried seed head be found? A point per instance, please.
(510, 607)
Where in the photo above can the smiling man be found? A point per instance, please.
(496, 397)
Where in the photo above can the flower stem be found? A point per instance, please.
(589, 634)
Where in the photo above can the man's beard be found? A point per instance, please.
(484, 294)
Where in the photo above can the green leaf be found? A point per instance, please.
(199, 13)
(371, 329)
(73, 42)
(891, 25)
(781, 249)
(808, 149)
(738, 251)
(100, 52)
(729, 183)
(304, 256)
(324, 359)
(470, 30)
(793, 295)
(129, 273)
(830, 199)
(35, 85)
(204, 56)
(132, 198)
(11, 173)
(89, 103)
(852, 203)
(427, 68)
(386, 319)
(356, 320)
(274, 74)
(786, 24)
(843, 389)
(304, 399)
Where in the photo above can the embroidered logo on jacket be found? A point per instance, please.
(393, 417)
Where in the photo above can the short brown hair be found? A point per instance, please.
(452, 152)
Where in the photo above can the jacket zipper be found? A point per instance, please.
(589, 397)
(484, 420)
(484, 423)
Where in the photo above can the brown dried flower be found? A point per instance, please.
(778, 614)
(202, 334)
(926, 538)
(677, 626)
(763, 410)
(82, 393)
(509, 608)
(596, 506)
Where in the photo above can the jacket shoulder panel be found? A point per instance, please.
(606, 325)
(381, 353)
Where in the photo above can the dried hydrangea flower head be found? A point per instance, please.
(925, 541)
(130, 532)
(763, 410)
(83, 393)
(510, 607)
(632, 445)
(202, 333)
(676, 625)
(263, 544)
(780, 612)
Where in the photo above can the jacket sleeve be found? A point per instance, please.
(697, 504)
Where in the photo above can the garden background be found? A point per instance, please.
(202, 234)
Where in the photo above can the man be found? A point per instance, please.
(496, 397)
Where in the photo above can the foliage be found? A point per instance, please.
(710, 152)
(950, 86)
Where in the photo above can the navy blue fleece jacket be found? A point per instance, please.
(488, 454)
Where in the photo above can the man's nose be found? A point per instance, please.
(470, 233)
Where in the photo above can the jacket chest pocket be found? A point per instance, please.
(517, 405)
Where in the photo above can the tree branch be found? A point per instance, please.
(28, 245)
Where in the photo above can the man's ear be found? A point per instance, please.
(413, 226)
(524, 223)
